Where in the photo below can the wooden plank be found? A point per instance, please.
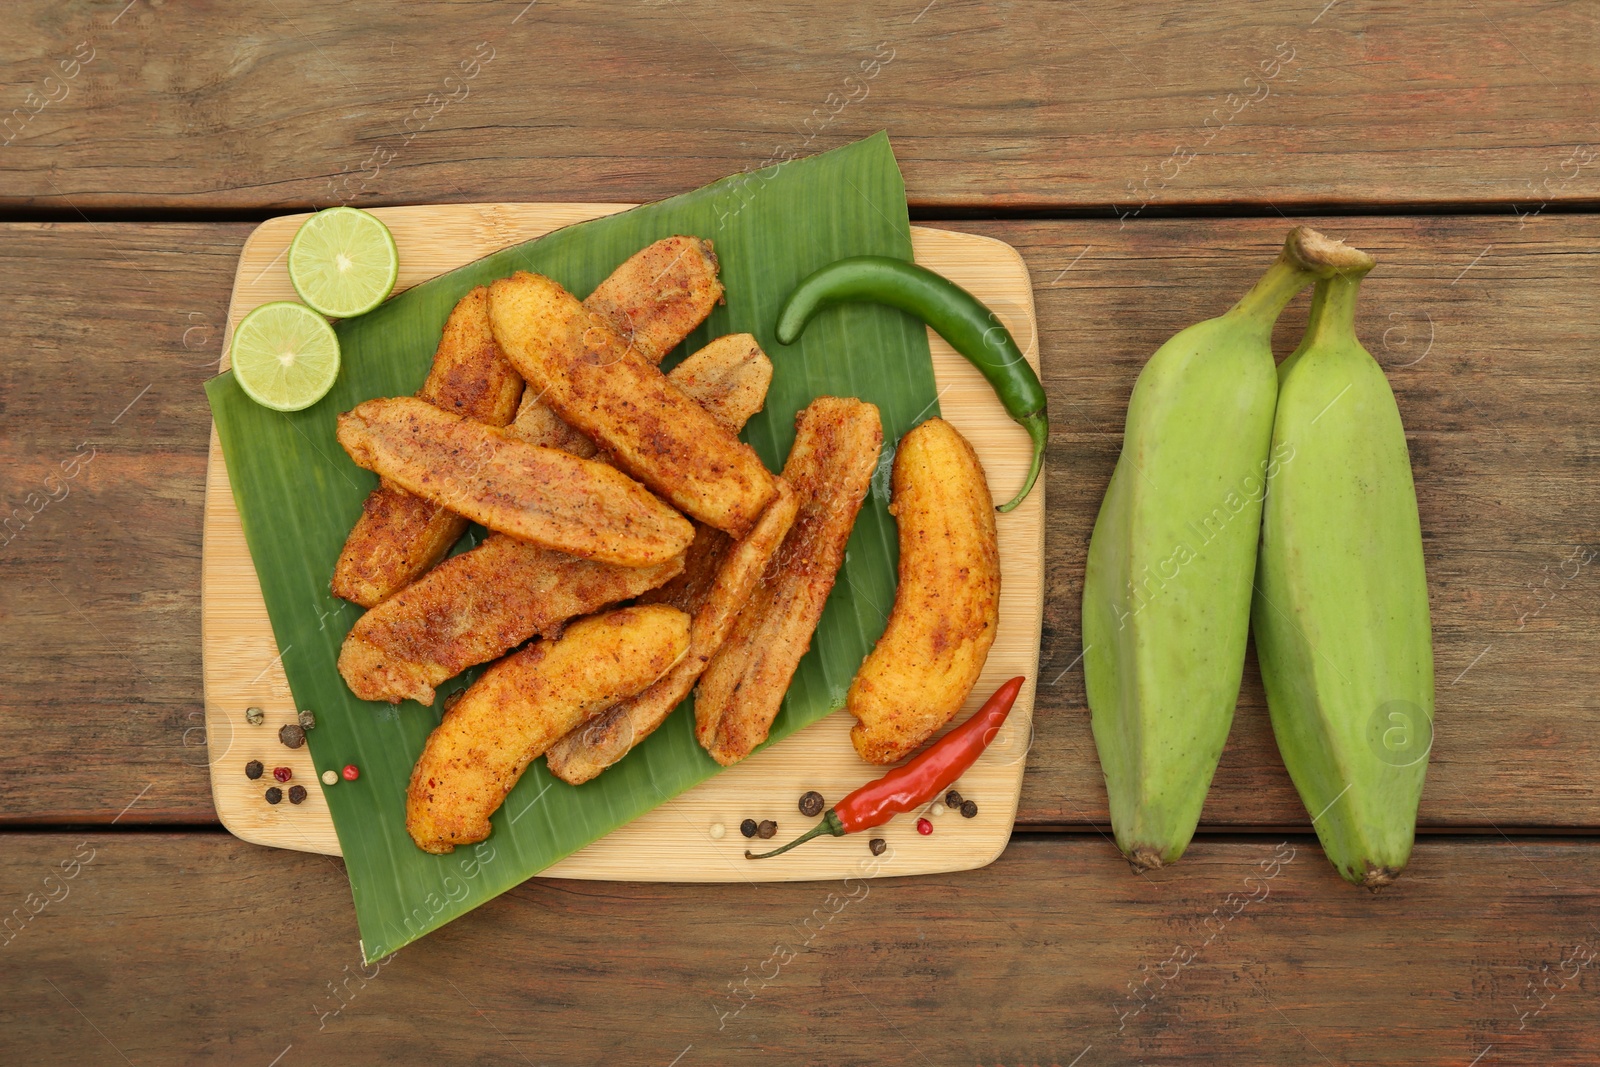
(1238, 958)
(1091, 105)
(1497, 409)
(243, 666)
(100, 589)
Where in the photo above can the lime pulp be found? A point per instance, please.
(343, 262)
(285, 356)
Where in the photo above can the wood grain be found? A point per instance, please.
(99, 598)
(243, 668)
(110, 334)
(1090, 105)
(198, 948)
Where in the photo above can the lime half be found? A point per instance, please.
(343, 262)
(285, 356)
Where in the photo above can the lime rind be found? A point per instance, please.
(284, 356)
(343, 262)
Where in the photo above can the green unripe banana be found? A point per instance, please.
(1166, 595)
(1341, 605)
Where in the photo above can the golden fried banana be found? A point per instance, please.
(475, 606)
(947, 605)
(655, 298)
(399, 535)
(479, 604)
(829, 468)
(588, 374)
(522, 704)
(541, 495)
(729, 378)
(658, 295)
(591, 748)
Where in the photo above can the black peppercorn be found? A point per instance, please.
(952, 799)
(877, 845)
(274, 795)
(254, 770)
(767, 829)
(749, 828)
(811, 804)
(969, 809)
(297, 793)
(291, 735)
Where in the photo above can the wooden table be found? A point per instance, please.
(1457, 142)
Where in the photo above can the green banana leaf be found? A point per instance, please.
(298, 495)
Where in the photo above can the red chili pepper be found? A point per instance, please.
(928, 774)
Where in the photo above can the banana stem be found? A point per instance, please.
(1307, 256)
(1333, 310)
(1267, 298)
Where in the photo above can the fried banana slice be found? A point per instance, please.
(479, 604)
(729, 378)
(655, 298)
(658, 295)
(830, 467)
(524, 703)
(399, 535)
(541, 495)
(475, 606)
(947, 605)
(589, 375)
(591, 748)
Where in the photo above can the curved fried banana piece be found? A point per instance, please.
(521, 705)
(947, 605)
(729, 378)
(479, 604)
(655, 298)
(399, 535)
(541, 495)
(591, 748)
(658, 295)
(474, 607)
(587, 373)
(830, 467)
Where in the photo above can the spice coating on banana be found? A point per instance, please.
(1341, 608)
(947, 605)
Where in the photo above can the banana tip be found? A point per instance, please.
(1378, 877)
(1144, 859)
(1324, 256)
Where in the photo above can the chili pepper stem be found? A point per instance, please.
(1038, 427)
(830, 824)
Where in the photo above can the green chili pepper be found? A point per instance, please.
(952, 312)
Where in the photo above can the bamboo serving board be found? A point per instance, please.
(675, 841)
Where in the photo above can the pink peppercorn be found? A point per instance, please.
(283, 774)
(351, 772)
(924, 827)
